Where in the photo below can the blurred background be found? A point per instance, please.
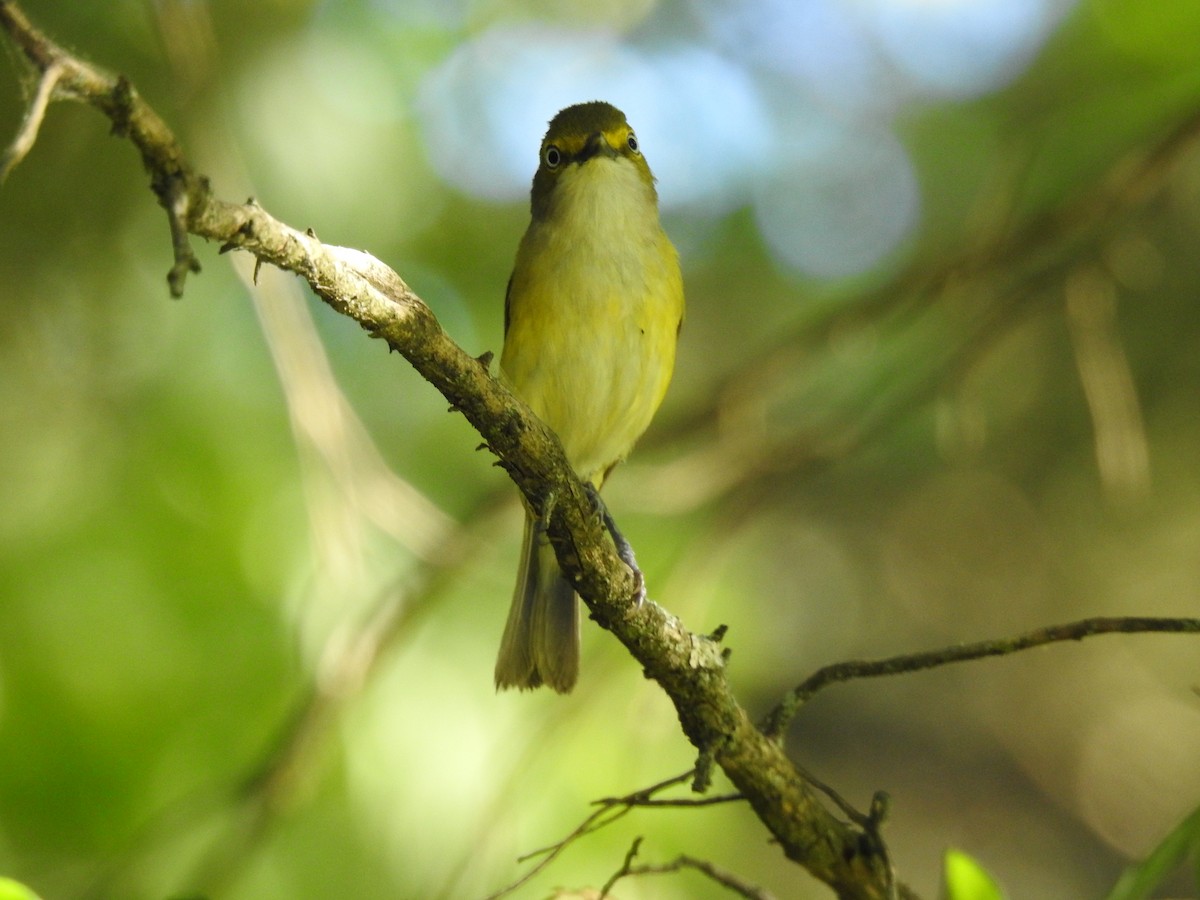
(939, 381)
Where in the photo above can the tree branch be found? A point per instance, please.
(777, 720)
(688, 667)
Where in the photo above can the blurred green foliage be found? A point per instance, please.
(1181, 845)
(965, 879)
(14, 890)
(996, 428)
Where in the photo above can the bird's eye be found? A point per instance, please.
(551, 156)
(632, 142)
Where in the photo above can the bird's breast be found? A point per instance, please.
(594, 306)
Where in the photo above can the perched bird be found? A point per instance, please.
(591, 317)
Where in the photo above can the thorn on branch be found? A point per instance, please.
(245, 230)
(485, 360)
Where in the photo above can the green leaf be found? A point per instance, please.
(1140, 879)
(14, 890)
(965, 879)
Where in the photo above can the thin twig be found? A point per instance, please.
(643, 796)
(610, 810)
(32, 123)
(778, 719)
(683, 802)
(630, 856)
(721, 876)
(592, 823)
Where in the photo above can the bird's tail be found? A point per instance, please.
(541, 639)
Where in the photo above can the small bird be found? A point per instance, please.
(592, 314)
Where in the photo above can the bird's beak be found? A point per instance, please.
(597, 145)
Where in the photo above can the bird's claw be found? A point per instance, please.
(639, 587)
(623, 547)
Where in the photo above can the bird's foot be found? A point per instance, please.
(623, 547)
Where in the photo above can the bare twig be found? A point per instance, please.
(778, 719)
(32, 124)
(610, 810)
(721, 876)
(594, 822)
(630, 856)
(682, 802)
(645, 796)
